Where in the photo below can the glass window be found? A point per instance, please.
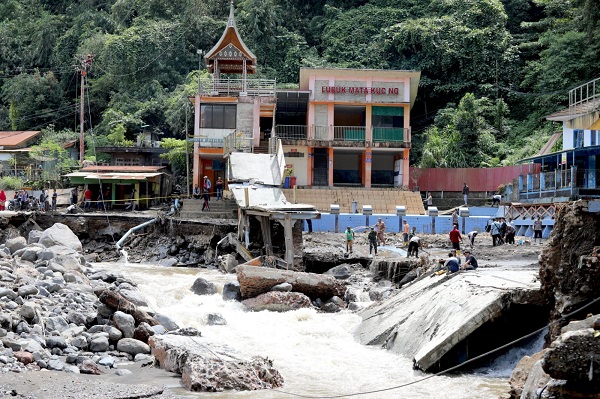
(218, 116)
(594, 137)
(577, 138)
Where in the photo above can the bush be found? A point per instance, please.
(11, 183)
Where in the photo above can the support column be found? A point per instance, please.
(311, 166)
(265, 227)
(289, 242)
(405, 165)
(195, 157)
(330, 168)
(368, 162)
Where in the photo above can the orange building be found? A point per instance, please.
(342, 127)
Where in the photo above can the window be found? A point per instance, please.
(594, 140)
(577, 138)
(218, 116)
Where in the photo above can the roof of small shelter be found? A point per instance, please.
(128, 169)
(17, 138)
(231, 50)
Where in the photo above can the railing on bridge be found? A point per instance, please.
(585, 98)
(559, 183)
(235, 87)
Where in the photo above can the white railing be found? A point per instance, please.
(235, 87)
(237, 142)
(585, 98)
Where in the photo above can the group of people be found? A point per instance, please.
(205, 192)
(502, 231)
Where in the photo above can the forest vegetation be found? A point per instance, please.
(491, 69)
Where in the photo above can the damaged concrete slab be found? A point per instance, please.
(428, 318)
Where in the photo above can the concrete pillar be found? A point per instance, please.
(368, 162)
(405, 168)
(311, 166)
(289, 242)
(265, 226)
(330, 170)
(195, 157)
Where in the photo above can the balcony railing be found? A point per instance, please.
(349, 133)
(585, 98)
(235, 87)
(292, 132)
(560, 183)
(343, 133)
(388, 134)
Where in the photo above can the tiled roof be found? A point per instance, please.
(17, 138)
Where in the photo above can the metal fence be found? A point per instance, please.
(291, 132)
(229, 87)
(388, 134)
(237, 142)
(349, 133)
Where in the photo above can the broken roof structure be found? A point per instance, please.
(255, 181)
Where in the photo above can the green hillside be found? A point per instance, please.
(491, 69)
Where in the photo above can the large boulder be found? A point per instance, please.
(214, 370)
(570, 356)
(60, 234)
(522, 373)
(14, 244)
(132, 346)
(203, 287)
(258, 280)
(278, 301)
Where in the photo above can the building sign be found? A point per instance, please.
(563, 158)
(360, 90)
(368, 157)
(204, 140)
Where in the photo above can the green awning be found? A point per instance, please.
(388, 111)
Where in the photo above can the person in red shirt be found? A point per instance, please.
(87, 195)
(455, 239)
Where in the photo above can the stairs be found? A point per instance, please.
(262, 148)
(225, 209)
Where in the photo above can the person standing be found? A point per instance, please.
(405, 231)
(54, 198)
(219, 187)
(2, 200)
(465, 193)
(455, 218)
(510, 232)
(74, 196)
(537, 229)
(349, 239)
(428, 200)
(87, 196)
(133, 191)
(455, 239)
(206, 198)
(495, 231)
(207, 185)
(372, 237)
(380, 226)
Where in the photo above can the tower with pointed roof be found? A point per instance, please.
(231, 55)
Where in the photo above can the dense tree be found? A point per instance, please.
(522, 55)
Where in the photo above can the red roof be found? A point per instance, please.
(17, 138)
(112, 168)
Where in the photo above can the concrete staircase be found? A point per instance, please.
(383, 200)
(225, 209)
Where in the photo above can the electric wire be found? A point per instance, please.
(448, 369)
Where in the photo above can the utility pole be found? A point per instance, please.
(85, 64)
(187, 154)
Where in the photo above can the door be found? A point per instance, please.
(320, 170)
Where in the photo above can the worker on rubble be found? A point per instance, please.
(380, 226)
(349, 239)
(372, 237)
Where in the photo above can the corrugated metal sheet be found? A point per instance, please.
(478, 179)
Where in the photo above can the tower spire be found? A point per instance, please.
(231, 20)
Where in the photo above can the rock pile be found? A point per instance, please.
(51, 318)
(60, 313)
